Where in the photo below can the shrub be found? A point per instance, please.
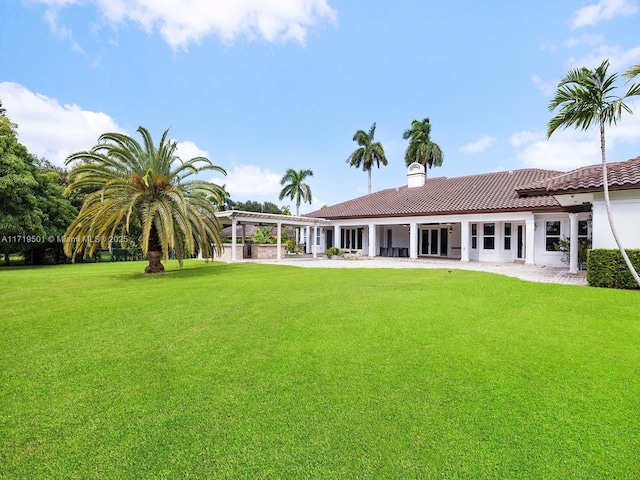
(606, 268)
(334, 251)
(262, 235)
(564, 245)
(290, 245)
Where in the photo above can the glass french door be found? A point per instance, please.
(434, 241)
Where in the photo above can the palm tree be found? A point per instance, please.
(421, 149)
(295, 188)
(142, 186)
(369, 154)
(585, 98)
(633, 71)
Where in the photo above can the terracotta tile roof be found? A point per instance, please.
(621, 176)
(489, 192)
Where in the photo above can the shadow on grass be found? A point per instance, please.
(189, 270)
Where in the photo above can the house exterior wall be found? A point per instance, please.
(625, 206)
(541, 256)
(505, 246)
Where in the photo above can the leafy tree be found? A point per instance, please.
(21, 216)
(3, 111)
(295, 188)
(586, 97)
(270, 207)
(57, 210)
(254, 206)
(148, 186)
(369, 153)
(34, 211)
(421, 149)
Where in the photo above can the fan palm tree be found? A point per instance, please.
(369, 154)
(586, 97)
(421, 149)
(142, 186)
(295, 188)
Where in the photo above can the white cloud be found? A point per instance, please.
(584, 39)
(49, 129)
(521, 138)
(619, 59)
(565, 150)
(571, 148)
(188, 150)
(479, 146)
(249, 181)
(603, 10)
(51, 17)
(183, 22)
(546, 88)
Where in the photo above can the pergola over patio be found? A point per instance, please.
(236, 218)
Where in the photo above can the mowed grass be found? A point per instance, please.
(263, 371)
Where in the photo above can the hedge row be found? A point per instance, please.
(606, 268)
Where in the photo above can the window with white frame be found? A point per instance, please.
(583, 230)
(552, 235)
(474, 236)
(351, 238)
(489, 236)
(507, 236)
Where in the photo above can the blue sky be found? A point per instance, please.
(262, 86)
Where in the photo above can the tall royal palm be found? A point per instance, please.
(586, 97)
(295, 188)
(369, 153)
(148, 187)
(421, 149)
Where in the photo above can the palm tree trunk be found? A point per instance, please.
(607, 203)
(369, 172)
(154, 253)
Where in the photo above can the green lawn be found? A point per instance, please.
(263, 371)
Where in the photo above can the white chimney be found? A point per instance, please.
(415, 175)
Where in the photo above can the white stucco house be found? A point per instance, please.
(513, 216)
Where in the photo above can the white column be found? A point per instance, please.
(530, 228)
(413, 240)
(573, 245)
(279, 241)
(336, 233)
(465, 241)
(314, 248)
(234, 239)
(372, 240)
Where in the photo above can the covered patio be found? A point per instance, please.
(237, 218)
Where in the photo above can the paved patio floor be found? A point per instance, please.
(531, 273)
